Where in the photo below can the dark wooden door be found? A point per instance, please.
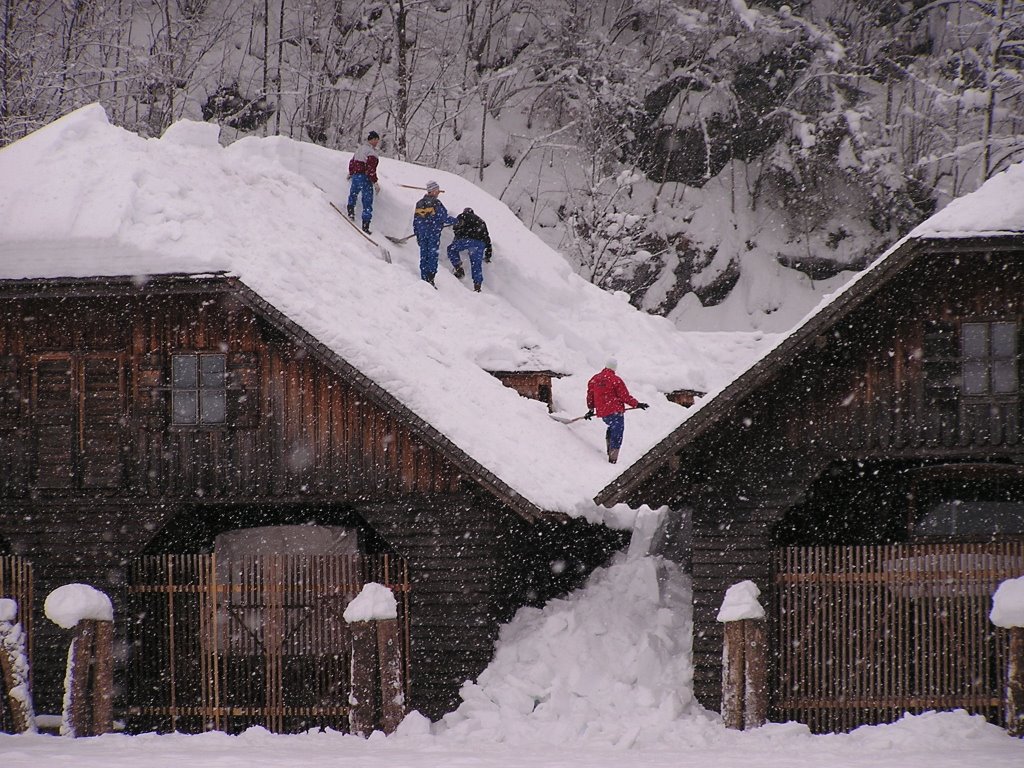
(79, 418)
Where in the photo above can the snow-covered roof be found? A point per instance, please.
(994, 210)
(82, 198)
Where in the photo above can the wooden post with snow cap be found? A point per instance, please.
(377, 700)
(1008, 612)
(744, 658)
(89, 683)
(14, 668)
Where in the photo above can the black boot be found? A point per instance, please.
(476, 287)
(460, 272)
(366, 228)
(351, 211)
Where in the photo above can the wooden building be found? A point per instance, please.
(868, 475)
(143, 419)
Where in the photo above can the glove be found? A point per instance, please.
(589, 415)
(642, 406)
(376, 188)
(349, 177)
(488, 253)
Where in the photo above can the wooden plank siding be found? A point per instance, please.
(452, 552)
(300, 431)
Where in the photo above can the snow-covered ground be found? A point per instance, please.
(935, 740)
(599, 679)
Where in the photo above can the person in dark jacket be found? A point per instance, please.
(428, 220)
(471, 236)
(607, 398)
(362, 171)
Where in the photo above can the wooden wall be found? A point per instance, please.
(84, 410)
(87, 409)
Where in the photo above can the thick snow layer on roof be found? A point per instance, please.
(82, 198)
(995, 208)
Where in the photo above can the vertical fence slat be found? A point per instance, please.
(866, 633)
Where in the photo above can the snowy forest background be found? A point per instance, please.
(699, 155)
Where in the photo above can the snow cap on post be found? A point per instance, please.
(1008, 604)
(8, 610)
(72, 603)
(374, 603)
(433, 186)
(612, 363)
(741, 603)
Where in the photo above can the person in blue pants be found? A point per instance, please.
(429, 219)
(362, 172)
(471, 236)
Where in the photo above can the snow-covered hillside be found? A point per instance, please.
(664, 148)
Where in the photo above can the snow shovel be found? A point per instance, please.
(400, 240)
(413, 186)
(384, 253)
(563, 420)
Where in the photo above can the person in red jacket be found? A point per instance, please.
(607, 398)
(362, 172)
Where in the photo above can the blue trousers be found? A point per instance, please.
(476, 250)
(361, 185)
(616, 427)
(428, 256)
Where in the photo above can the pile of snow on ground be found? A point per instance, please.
(608, 664)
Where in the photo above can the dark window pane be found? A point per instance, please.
(1004, 341)
(212, 368)
(1004, 377)
(975, 341)
(184, 407)
(183, 371)
(989, 517)
(975, 378)
(972, 518)
(215, 406)
(940, 520)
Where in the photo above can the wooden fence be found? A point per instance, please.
(225, 645)
(865, 634)
(16, 584)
